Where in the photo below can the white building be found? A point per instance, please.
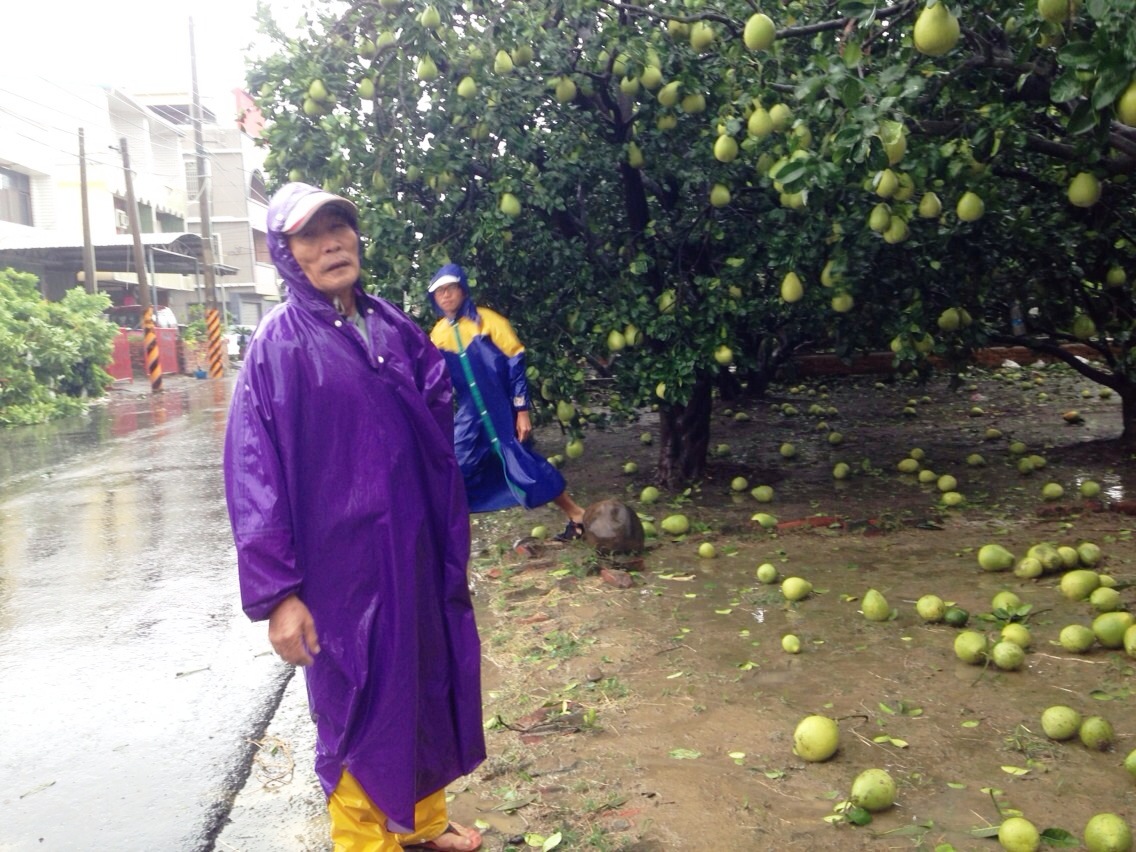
(41, 225)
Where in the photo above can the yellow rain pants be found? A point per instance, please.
(358, 826)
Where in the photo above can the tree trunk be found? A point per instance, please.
(685, 438)
(1128, 415)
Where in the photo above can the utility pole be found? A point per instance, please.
(212, 315)
(151, 358)
(88, 247)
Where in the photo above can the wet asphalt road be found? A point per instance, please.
(130, 681)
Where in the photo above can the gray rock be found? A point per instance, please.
(611, 526)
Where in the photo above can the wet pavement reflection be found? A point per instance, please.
(131, 680)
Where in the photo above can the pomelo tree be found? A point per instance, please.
(676, 196)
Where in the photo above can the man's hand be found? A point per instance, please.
(292, 632)
(524, 426)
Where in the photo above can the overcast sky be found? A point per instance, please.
(135, 45)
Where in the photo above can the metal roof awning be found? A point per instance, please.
(180, 253)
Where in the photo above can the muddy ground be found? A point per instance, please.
(660, 715)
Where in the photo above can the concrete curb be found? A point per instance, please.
(281, 805)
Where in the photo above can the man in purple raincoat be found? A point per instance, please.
(352, 534)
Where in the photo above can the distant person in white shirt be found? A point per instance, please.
(164, 317)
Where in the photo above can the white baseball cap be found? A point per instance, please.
(442, 281)
(307, 206)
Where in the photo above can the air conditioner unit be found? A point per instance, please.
(121, 220)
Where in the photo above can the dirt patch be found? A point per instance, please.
(648, 705)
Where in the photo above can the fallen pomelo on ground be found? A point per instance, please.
(675, 524)
(1096, 732)
(994, 557)
(796, 588)
(1018, 834)
(1060, 722)
(1107, 833)
(875, 606)
(816, 738)
(873, 790)
(970, 647)
(931, 608)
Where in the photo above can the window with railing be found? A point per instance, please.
(15, 197)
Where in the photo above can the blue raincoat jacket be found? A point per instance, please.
(343, 488)
(514, 474)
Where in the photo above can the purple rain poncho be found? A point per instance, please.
(512, 473)
(343, 488)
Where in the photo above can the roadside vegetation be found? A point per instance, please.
(52, 354)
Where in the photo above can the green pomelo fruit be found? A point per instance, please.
(1104, 599)
(875, 606)
(767, 572)
(649, 494)
(790, 644)
(1078, 585)
(994, 557)
(1069, 557)
(1130, 763)
(931, 608)
(1005, 599)
(1017, 633)
(539, 532)
(970, 647)
(762, 493)
(1130, 641)
(1008, 656)
(1096, 733)
(1028, 568)
(1018, 834)
(1060, 722)
(873, 790)
(1076, 638)
(707, 551)
(1089, 554)
(796, 588)
(1107, 833)
(816, 738)
(956, 616)
(675, 525)
(1047, 555)
(1109, 628)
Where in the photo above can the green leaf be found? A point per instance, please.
(684, 754)
(988, 831)
(858, 9)
(857, 815)
(790, 171)
(1066, 88)
(1083, 119)
(1110, 85)
(551, 842)
(1078, 54)
(1060, 837)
